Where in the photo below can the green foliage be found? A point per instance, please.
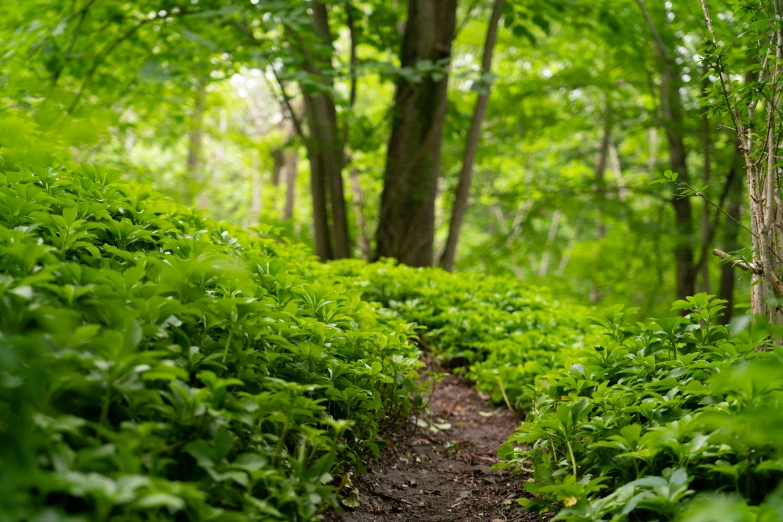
(500, 333)
(157, 365)
(653, 414)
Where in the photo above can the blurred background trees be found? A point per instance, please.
(366, 128)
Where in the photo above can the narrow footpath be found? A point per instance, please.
(444, 475)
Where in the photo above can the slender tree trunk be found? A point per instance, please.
(278, 160)
(291, 165)
(195, 145)
(324, 147)
(731, 236)
(705, 180)
(652, 160)
(284, 164)
(220, 150)
(361, 221)
(683, 213)
(255, 201)
(406, 226)
(460, 205)
(673, 124)
(543, 267)
(600, 174)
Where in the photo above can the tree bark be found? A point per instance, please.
(255, 197)
(361, 221)
(406, 226)
(705, 180)
(673, 124)
(284, 164)
(731, 236)
(460, 205)
(683, 212)
(290, 167)
(543, 268)
(600, 174)
(323, 245)
(324, 147)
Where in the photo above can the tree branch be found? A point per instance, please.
(738, 263)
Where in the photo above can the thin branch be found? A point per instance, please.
(705, 198)
(738, 263)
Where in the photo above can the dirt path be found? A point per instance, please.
(444, 475)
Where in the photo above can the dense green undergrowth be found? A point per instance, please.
(498, 332)
(674, 419)
(156, 365)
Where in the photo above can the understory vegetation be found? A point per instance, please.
(229, 231)
(158, 365)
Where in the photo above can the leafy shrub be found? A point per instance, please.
(502, 334)
(654, 414)
(156, 365)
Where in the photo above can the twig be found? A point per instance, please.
(738, 263)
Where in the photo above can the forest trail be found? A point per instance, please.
(444, 475)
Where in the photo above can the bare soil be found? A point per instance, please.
(444, 475)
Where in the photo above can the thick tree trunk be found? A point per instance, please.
(194, 164)
(323, 246)
(324, 147)
(406, 227)
(460, 205)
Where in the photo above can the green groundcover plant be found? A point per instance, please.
(156, 365)
(498, 332)
(674, 419)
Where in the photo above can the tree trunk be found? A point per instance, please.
(323, 246)
(543, 267)
(195, 145)
(324, 147)
(361, 221)
(683, 212)
(406, 226)
(731, 236)
(291, 163)
(705, 180)
(460, 205)
(284, 161)
(255, 201)
(600, 181)
(673, 124)
(278, 160)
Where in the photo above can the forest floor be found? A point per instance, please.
(444, 475)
